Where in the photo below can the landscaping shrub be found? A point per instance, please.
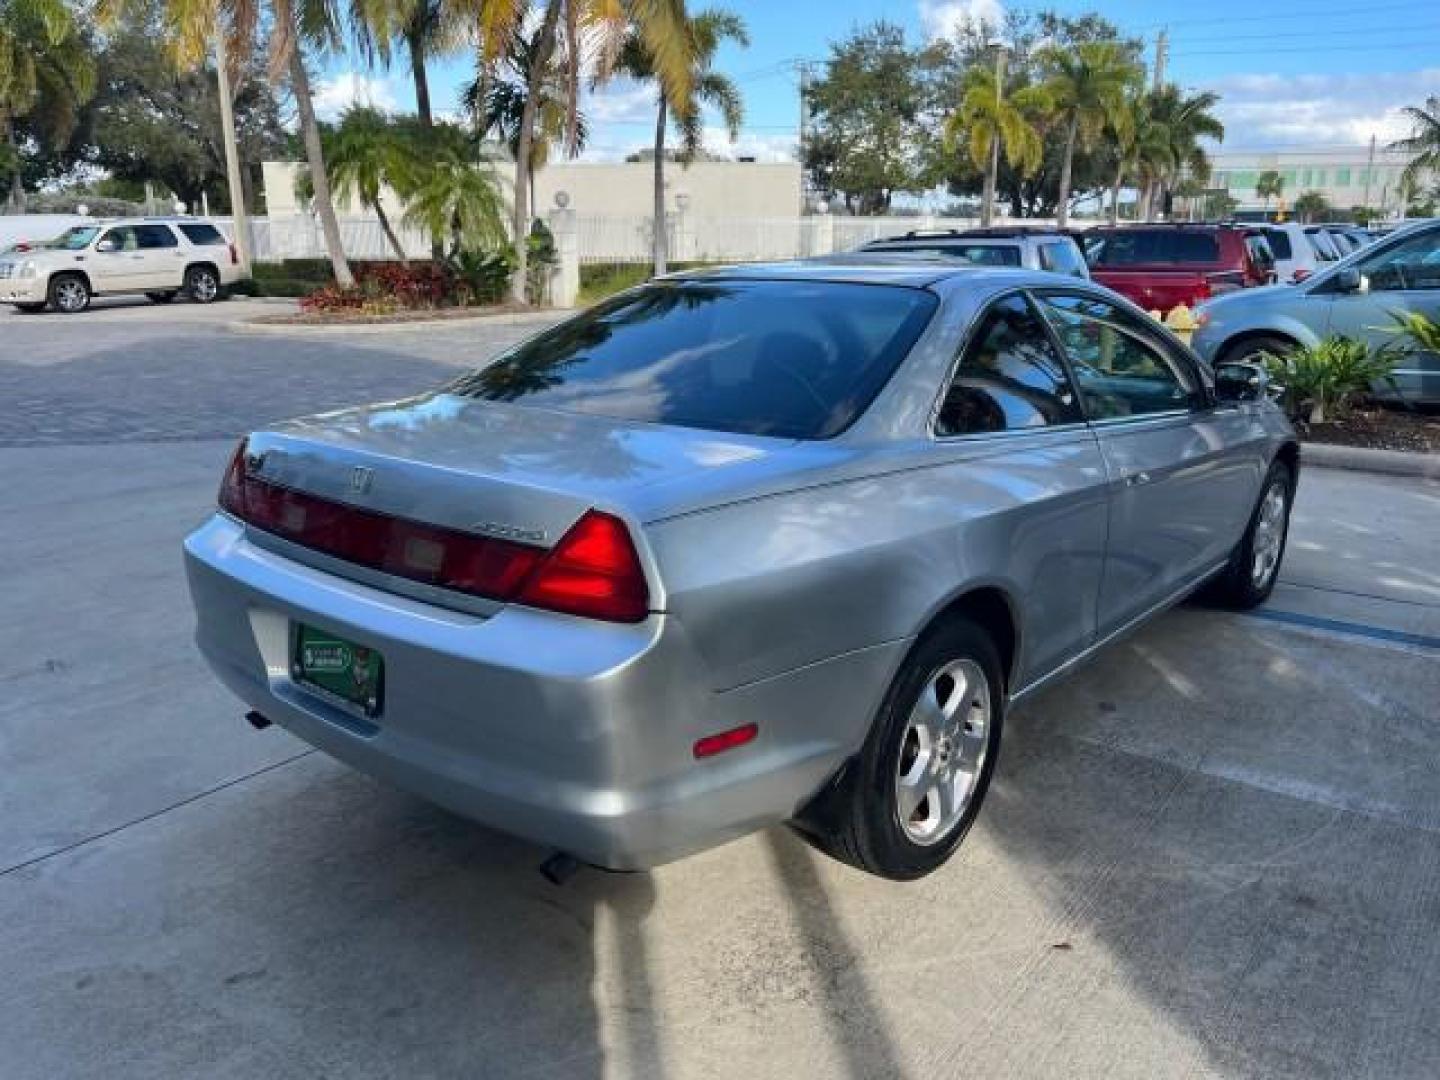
(1322, 382)
(382, 288)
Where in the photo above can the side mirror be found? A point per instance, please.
(108, 243)
(1349, 280)
(1241, 381)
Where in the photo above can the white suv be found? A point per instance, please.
(160, 257)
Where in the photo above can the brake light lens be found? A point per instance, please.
(711, 745)
(593, 571)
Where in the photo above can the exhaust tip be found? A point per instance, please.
(257, 720)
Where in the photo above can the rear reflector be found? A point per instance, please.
(711, 745)
(593, 571)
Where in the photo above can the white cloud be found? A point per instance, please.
(944, 18)
(762, 147)
(337, 93)
(621, 115)
(1264, 110)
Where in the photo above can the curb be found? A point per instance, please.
(1361, 459)
(507, 318)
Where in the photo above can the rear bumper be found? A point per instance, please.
(574, 734)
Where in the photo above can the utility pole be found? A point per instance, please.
(1369, 172)
(803, 66)
(232, 152)
(1162, 53)
(992, 174)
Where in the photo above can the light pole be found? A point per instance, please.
(992, 173)
(232, 153)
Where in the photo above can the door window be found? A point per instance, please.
(151, 237)
(1120, 369)
(119, 239)
(1412, 264)
(1010, 376)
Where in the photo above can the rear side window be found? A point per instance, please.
(150, 237)
(1120, 370)
(202, 235)
(978, 254)
(1260, 252)
(1010, 376)
(795, 359)
(1279, 243)
(1062, 257)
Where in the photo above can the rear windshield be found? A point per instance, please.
(795, 359)
(1143, 247)
(979, 254)
(1279, 243)
(202, 235)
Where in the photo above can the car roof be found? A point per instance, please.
(878, 269)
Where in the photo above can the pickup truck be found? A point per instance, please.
(1161, 267)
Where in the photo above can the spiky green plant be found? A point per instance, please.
(1415, 332)
(1322, 381)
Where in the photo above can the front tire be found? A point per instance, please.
(1251, 350)
(30, 309)
(1249, 578)
(917, 787)
(202, 284)
(69, 293)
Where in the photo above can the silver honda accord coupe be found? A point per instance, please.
(777, 543)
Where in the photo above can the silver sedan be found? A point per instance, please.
(780, 543)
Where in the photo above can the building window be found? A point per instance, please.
(1342, 177)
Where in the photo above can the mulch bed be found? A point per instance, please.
(350, 318)
(1379, 429)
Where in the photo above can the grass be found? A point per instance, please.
(599, 280)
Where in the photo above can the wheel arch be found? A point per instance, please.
(70, 271)
(1289, 454)
(202, 264)
(1287, 334)
(994, 609)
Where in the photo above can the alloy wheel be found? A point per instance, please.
(1269, 535)
(943, 752)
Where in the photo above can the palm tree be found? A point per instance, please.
(496, 102)
(1423, 143)
(46, 74)
(292, 26)
(1138, 143)
(453, 195)
(707, 31)
(992, 122)
(366, 153)
(1086, 86)
(1269, 185)
(1181, 122)
(1312, 205)
(603, 25)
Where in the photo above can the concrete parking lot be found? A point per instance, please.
(1214, 852)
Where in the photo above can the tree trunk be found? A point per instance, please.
(1062, 205)
(987, 193)
(16, 201)
(389, 232)
(318, 180)
(658, 241)
(415, 39)
(520, 219)
(1115, 193)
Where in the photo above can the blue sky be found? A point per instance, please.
(1290, 72)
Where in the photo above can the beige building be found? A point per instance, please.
(709, 189)
(1346, 177)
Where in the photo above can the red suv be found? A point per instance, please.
(1162, 266)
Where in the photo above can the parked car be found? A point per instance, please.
(159, 257)
(1160, 267)
(1033, 249)
(1297, 255)
(1356, 297)
(1325, 243)
(736, 547)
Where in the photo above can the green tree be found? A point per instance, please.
(365, 153)
(47, 72)
(1423, 143)
(707, 31)
(1269, 185)
(583, 27)
(991, 123)
(865, 134)
(1312, 206)
(1086, 86)
(453, 195)
(1175, 148)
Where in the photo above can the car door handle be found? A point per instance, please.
(1135, 479)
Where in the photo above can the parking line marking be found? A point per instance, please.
(1339, 626)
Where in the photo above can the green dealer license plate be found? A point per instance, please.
(352, 672)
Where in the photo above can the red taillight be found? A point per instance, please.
(711, 745)
(594, 570)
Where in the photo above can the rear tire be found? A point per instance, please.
(160, 297)
(69, 293)
(1249, 578)
(202, 284)
(905, 804)
(1249, 350)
